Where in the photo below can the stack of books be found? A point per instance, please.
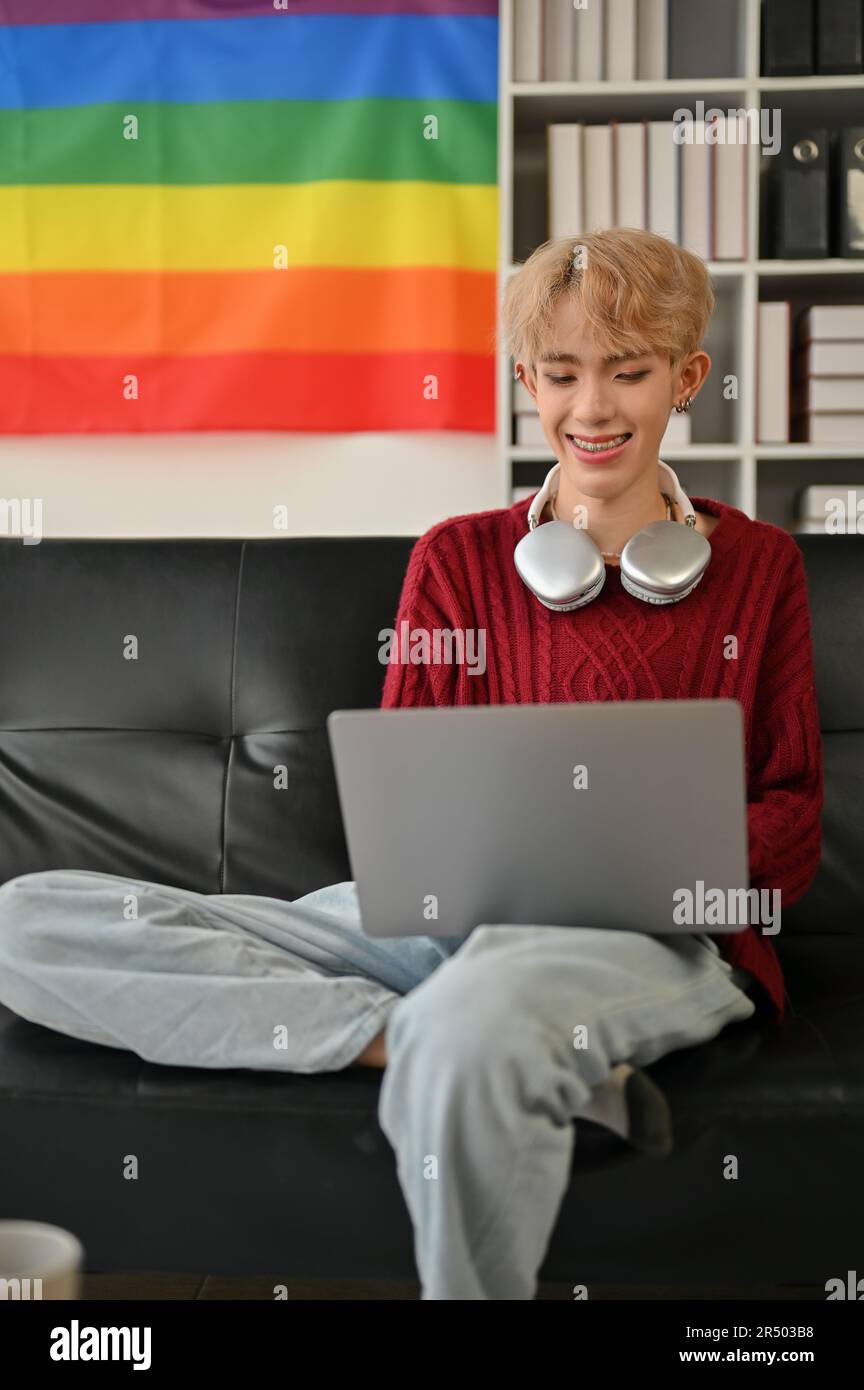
(597, 41)
(828, 375)
(826, 509)
(639, 175)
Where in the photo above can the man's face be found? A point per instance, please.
(594, 400)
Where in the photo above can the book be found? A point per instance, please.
(773, 342)
(565, 179)
(829, 359)
(599, 193)
(619, 38)
(652, 41)
(697, 214)
(834, 322)
(730, 192)
(831, 429)
(559, 25)
(830, 394)
(815, 504)
(631, 174)
(664, 180)
(588, 36)
(527, 33)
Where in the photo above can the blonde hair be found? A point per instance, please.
(637, 290)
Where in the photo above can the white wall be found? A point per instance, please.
(228, 484)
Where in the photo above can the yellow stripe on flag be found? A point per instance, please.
(236, 226)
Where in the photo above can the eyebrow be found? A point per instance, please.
(607, 361)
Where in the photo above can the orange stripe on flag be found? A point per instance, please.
(198, 312)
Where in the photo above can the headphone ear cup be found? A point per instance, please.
(561, 565)
(664, 562)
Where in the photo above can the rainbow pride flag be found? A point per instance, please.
(271, 215)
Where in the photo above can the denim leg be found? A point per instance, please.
(492, 1058)
(205, 980)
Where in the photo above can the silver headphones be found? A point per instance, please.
(564, 569)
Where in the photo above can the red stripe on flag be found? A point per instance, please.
(249, 391)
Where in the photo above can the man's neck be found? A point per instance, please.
(610, 522)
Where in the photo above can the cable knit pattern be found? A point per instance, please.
(461, 576)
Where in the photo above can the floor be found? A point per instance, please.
(209, 1286)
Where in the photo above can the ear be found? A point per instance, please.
(523, 373)
(693, 372)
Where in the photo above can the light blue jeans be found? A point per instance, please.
(495, 1041)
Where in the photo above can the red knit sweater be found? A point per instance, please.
(461, 575)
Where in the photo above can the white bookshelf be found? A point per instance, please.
(761, 479)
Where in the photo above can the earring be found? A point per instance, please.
(686, 406)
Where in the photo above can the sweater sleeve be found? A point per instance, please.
(427, 603)
(786, 791)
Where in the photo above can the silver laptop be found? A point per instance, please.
(604, 814)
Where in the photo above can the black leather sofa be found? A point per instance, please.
(162, 768)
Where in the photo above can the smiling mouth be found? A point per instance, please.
(601, 444)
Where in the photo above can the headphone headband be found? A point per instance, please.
(535, 511)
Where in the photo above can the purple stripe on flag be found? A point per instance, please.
(105, 11)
